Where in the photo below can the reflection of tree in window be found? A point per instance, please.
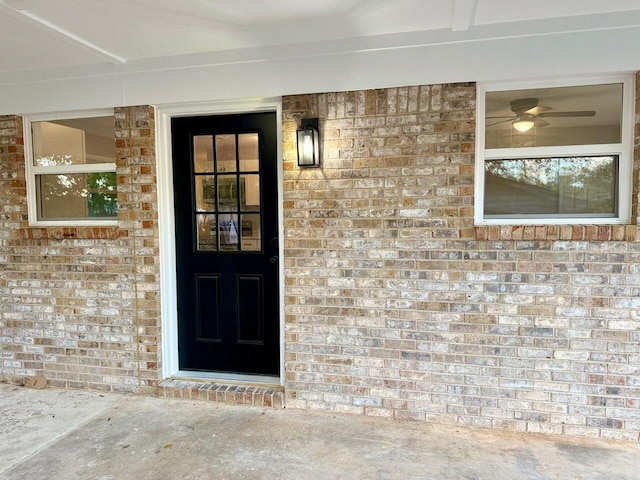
(551, 185)
(61, 186)
(54, 160)
(98, 190)
(101, 196)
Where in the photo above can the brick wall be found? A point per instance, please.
(396, 306)
(80, 306)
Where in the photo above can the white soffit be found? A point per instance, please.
(503, 11)
(111, 48)
(137, 29)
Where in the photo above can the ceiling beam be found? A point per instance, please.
(38, 22)
(464, 12)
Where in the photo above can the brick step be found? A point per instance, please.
(232, 394)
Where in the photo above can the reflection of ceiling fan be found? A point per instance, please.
(527, 114)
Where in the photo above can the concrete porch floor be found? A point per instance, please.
(69, 434)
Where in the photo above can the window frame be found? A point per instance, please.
(624, 150)
(32, 170)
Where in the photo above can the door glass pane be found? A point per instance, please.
(225, 153)
(551, 186)
(203, 153)
(205, 193)
(251, 232)
(229, 232)
(228, 193)
(250, 198)
(207, 232)
(248, 152)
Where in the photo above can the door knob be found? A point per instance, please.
(273, 260)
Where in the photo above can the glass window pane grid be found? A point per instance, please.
(230, 190)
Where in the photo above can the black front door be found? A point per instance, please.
(225, 188)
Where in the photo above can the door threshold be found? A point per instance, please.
(230, 392)
(227, 378)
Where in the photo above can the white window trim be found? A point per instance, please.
(32, 170)
(624, 149)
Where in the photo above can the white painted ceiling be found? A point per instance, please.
(40, 34)
(52, 40)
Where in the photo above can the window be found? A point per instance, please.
(555, 154)
(71, 169)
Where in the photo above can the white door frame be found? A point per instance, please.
(166, 225)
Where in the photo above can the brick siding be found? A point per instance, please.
(396, 306)
(80, 305)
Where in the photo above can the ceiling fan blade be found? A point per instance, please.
(498, 123)
(580, 113)
(523, 105)
(538, 110)
(541, 123)
(501, 116)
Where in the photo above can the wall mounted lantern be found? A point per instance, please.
(308, 143)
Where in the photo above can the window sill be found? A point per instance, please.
(619, 233)
(60, 233)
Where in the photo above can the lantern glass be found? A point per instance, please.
(308, 147)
